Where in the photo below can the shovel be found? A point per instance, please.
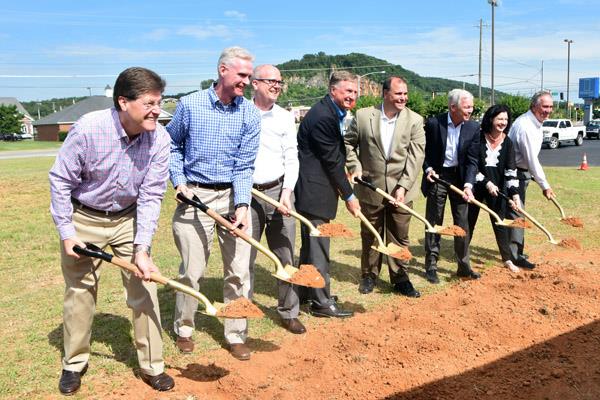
(533, 220)
(210, 309)
(573, 221)
(284, 273)
(392, 249)
(440, 230)
(502, 222)
(313, 229)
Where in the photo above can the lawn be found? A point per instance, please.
(28, 145)
(32, 285)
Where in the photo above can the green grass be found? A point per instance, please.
(32, 285)
(28, 145)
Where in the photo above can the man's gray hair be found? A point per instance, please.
(456, 95)
(258, 71)
(535, 99)
(230, 54)
(340, 76)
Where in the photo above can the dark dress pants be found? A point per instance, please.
(517, 236)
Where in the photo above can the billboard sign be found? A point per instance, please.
(589, 88)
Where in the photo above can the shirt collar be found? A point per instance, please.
(533, 119)
(214, 98)
(340, 113)
(385, 118)
(120, 131)
(450, 123)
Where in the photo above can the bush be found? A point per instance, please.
(62, 135)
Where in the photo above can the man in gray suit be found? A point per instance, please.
(386, 146)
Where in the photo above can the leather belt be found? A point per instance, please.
(450, 170)
(124, 211)
(268, 185)
(212, 186)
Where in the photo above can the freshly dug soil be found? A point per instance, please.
(570, 243)
(453, 230)
(240, 308)
(527, 336)
(573, 221)
(308, 276)
(335, 230)
(403, 254)
(520, 223)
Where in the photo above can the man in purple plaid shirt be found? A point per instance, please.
(106, 188)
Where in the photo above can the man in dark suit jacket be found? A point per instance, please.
(322, 178)
(451, 153)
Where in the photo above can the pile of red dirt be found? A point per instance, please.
(453, 230)
(532, 335)
(573, 221)
(402, 254)
(520, 223)
(335, 230)
(240, 308)
(570, 243)
(308, 276)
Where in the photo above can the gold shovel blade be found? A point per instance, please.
(395, 251)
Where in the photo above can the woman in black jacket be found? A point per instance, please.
(497, 171)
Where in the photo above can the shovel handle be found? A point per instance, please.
(366, 222)
(562, 212)
(94, 251)
(474, 201)
(533, 220)
(196, 202)
(391, 199)
(276, 203)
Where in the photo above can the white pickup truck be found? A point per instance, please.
(558, 131)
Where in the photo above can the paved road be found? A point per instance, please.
(6, 155)
(569, 155)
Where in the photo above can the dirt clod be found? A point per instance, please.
(240, 308)
(570, 243)
(335, 230)
(403, 254)
(520, 223)
(309, 276)
(573, 221)
(453, 230)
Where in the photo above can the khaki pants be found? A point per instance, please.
(193, 231)
(81, 279)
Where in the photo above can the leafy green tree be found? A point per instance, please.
(436, 106)
(516, 104)
(479, 108)
(416, 102)
(366, 101)
(10, 119)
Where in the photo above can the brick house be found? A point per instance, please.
(27, 121)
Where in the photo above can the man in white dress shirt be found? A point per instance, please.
(275, 174)
(526, 135)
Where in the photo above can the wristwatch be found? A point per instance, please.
(137, 248)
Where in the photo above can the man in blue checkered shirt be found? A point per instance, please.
(214, 141)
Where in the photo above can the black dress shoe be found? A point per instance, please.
(70, 381)
(161, 382)
(332, 311)
(469, 274)
(367, 284)
(293, 325)
(406, 289)
(432, 277)
(524, 263)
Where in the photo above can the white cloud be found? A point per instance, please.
(158, 34)
(235, 14)
(205, 32)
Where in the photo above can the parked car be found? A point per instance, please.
(592, 130)
(558, 131)
(11, 137)
(26, 136)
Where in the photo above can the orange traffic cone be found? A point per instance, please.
(584, 165)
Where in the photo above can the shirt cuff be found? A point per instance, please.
(67, 232)
(351, 197)
(468, 186)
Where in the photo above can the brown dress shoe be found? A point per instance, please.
(185, 344)
(161, 382)
(293, 325)
(240, 351)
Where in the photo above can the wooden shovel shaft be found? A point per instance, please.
(405, 208)
(156, 277)
(247, 238)
(366, 222)
(275, 203)
(562, 212)
(540, 226)
(479, 204)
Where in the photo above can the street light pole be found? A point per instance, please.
(568, 42)
(494, 4)
(362, 76)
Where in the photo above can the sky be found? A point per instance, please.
(68, 48)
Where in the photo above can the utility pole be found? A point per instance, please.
(481, 26)
(493, 3)
(542, 85)
(568, 42)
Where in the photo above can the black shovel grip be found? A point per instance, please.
(365, 183)
(91, 250)
(194, 201)
(440, 180)
(505, 197)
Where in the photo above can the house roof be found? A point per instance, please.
(72, 113)
(12, 101)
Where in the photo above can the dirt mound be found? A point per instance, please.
(240, 308)
(453, 230)
(520, 223)
(533, 335)
(335, 230)
(573, 221)
(570, 243)
(309, 276)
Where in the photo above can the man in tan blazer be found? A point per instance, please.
(385, 145)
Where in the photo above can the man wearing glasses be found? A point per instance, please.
(214, 140)
(106, 187)
(275, 174)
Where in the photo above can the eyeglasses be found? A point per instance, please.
(148, 105)
(270, 82)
